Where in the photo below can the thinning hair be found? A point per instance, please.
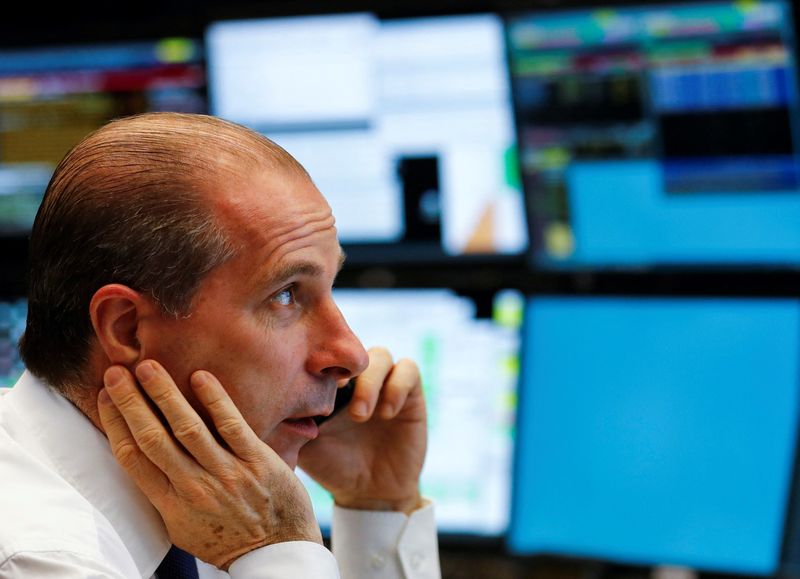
(129, 204)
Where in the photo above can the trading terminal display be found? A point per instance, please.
(660, 135)
(469, 360)
(52, 97)
(405, 125)
(467, 352)
(12, 323)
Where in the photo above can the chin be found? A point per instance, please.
(289, 456)
(288, 448)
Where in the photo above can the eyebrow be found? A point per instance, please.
(299, 268)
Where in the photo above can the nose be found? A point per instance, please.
(337, 353)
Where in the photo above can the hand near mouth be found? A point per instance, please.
(370, 455)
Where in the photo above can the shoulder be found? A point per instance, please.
(45, 518)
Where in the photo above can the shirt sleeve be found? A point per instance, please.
(297, 559)
(59, 565)
(385, 544)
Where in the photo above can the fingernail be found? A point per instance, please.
(145, 371)
(113, 377)
(387, 410)
(103, 397)
(360, 408)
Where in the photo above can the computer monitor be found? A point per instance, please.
(665, 135)
(51, 97)
(13, 313)
(404, 125)
(467, 351)
(657, 431)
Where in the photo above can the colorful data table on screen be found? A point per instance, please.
(51, 97)
(660, 135)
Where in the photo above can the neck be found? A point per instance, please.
(85, 400)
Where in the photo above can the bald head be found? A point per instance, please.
(130, 204)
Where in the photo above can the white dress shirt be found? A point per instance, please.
(69, 511)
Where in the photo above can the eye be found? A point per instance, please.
(285, 297)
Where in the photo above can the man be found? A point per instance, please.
(180, 304)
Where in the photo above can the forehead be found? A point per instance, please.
(267, 201)
(275, 217)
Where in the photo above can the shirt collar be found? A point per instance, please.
(82, 456)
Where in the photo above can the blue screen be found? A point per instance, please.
(657, 431)
(12, 324)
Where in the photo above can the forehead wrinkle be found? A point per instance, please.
(322, 221)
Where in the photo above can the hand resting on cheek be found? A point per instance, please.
(217, 503)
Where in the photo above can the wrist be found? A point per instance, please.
(405, 505)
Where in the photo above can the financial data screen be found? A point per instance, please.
(12, 323)
(657, 430)
(468, 354)
(468, 359)
(50, 98)
(404, 125)
(660, 135)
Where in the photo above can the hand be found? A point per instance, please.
(217, 503)
(371, 456)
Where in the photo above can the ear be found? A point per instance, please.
(116, 311)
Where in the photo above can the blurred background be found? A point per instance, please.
(582, 219)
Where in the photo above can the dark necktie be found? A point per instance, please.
(178, 564)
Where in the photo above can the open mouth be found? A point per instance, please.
(343, 397)
(305, 427)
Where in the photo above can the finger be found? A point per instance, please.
(150, 435)
(185, 423)
(370, 383)
(402, 381)
(227, 419)
(144, 473)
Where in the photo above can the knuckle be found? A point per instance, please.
(162, 397)
(190, 431)
(127, 400)
(216, 406)
(197, 492)
(113, 423)
(231, 428)
(127, 454)
(233, 481)
(151, 440)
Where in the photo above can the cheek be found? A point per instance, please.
(266, 381)
(261, 367)
(167, 344)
